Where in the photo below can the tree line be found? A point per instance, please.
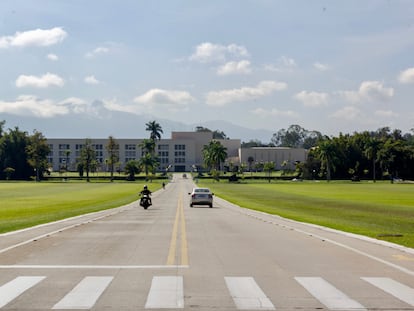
(24, 156)
(380, 154)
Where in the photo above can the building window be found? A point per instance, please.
(163, 147)
(130, 147)
(179, 160)
(179, 147)
(64, 146)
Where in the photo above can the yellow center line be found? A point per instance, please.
(179, 217)
(184, 248)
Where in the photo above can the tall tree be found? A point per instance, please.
(372, 146)
(88, 156)
(155, 130)
(13, 153)
(327, 154)
(113, 153)
(148, 160)
(37, 151)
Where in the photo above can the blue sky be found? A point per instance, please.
(331, 66)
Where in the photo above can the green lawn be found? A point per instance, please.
(25, 204)
(379, 210)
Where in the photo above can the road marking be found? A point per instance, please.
(16, 287)
(184, 246)
(55, 231)
(247, 294)
(85, 294)
(328, 295)
(117, 267)
(166, 292)
(398, 290)
(179, 219)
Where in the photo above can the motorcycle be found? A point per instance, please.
(145, 201)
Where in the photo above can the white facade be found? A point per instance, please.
(181, 153)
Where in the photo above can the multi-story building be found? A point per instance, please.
(181, 153)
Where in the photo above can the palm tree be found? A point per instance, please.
(147, 146)
(148, 162)
(155, 130)
(326, 151)
(372, 147)
(214, 154)
(131, 168)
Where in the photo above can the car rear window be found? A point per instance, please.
(202, 190)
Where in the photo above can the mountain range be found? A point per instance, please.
(122, 125)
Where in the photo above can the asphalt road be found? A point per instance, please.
(172, 257)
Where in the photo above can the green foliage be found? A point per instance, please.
(214, 154)
(379, 154)
(88, 157)
(131, 168)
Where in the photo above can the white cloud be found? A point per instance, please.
(44, 81)
(369, 91)
(407, 76)
(52, 57)
(37, 37)
(312, 99)
(264, 88)
(91, 80)
(242, 67)
(283, 64)
(98, 51)
(209, 52)
(274, 113)
(386, 113)
(321, 67)
(29, 105)
(349, 113)
(158, 100)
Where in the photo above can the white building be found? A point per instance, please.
(181, 153)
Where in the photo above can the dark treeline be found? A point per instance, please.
(22, 156)
(381, 154)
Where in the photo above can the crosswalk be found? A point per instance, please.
(167, 292)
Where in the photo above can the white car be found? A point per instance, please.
(201, 196)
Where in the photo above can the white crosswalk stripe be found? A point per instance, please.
(85, 294)
(398, 290)
(247, 295)
(166, 292)
(328, 295)
(16, 287)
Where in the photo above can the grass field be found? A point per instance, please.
(25, 204)
(380, 210)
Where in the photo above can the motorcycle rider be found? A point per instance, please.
(146, 191)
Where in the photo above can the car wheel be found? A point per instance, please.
(211, 205)
(191, 205)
